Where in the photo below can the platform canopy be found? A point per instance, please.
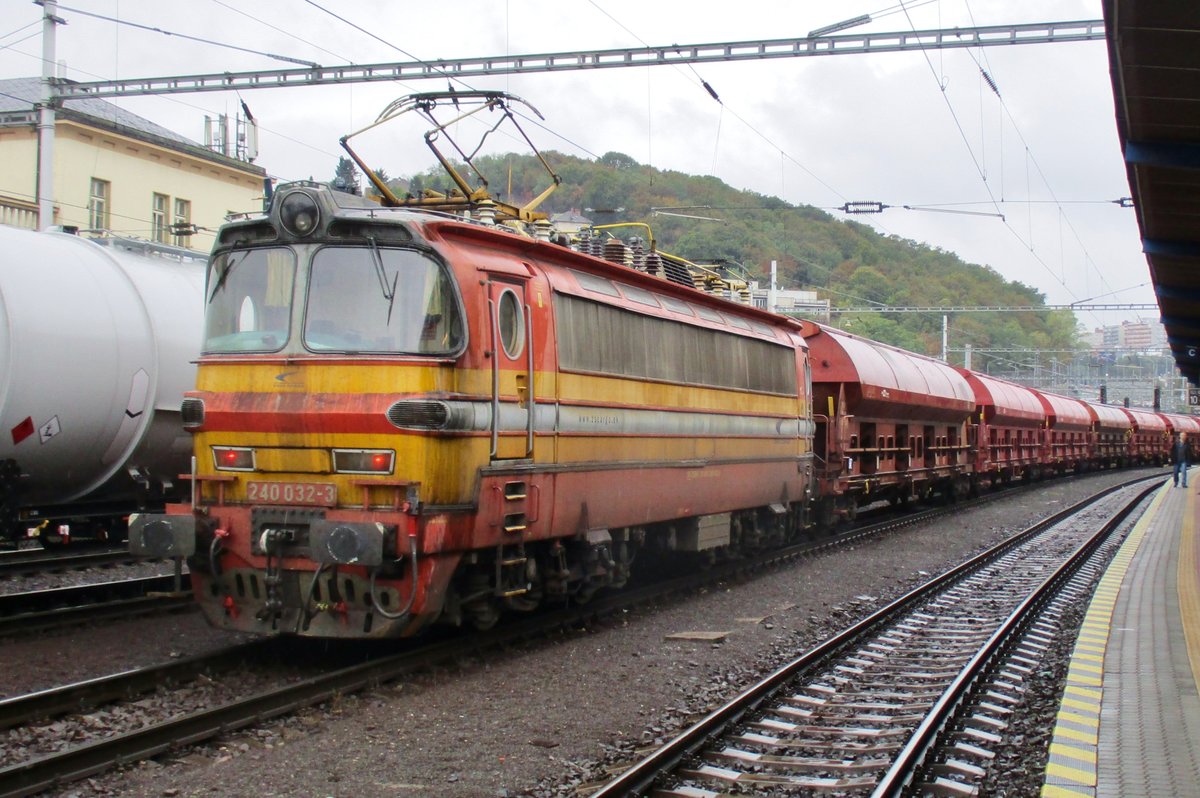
(1154, 57)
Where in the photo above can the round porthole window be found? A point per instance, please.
(511, 322)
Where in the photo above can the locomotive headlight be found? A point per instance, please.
(299, 213)
(233, 458)
(363, 461)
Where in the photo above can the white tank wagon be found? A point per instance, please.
(97, 345)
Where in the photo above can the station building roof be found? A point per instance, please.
(1154, 59)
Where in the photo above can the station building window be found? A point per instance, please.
(158, 218)
(98, 199)
(181, 218)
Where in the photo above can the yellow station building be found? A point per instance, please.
(118, 173)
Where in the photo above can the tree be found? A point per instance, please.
(345, 177)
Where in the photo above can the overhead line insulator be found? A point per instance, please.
(863, 206)
(991, 83)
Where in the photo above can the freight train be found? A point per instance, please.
(405, 416)
(98, 340)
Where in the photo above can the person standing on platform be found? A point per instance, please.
(1179, 456)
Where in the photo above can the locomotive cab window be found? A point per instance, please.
(380, 299)
(511, 324)
(249, 300)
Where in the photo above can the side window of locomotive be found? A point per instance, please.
(376, 299)
(249, 300)
(511, 323)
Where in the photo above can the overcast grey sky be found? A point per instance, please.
(899, 128)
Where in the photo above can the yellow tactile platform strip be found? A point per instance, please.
(1071, 771)
(1189, 587)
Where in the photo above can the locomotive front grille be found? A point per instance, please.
(410, 414)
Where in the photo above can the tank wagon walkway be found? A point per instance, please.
(1129, 723)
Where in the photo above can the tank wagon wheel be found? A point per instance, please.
(51, 538)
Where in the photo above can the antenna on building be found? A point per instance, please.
(216, 134)
(247, 135)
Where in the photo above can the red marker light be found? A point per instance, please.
(363, 461)
(231, 458)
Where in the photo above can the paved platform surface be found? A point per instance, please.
(1129, 724)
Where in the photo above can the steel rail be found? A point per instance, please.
(42, 609)
(925, 739)
(638, 779)
(31, 561)
(86, 695)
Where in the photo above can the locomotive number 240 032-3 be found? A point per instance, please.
(302, 493)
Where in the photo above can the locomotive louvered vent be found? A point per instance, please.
(676, 272)
(418, 414)
(248, 234)
(362, 230)
(191, 411)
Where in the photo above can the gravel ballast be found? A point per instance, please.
(542, 717)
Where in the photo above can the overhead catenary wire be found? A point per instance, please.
(189, 37)
(18, 41)
(112, 214)
(986, 70)
(707, 87)
(313, 147)
(287, 33)
(15, 31)
(381, 40)
(983, 176)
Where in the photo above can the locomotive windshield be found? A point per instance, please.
(249, 299)
(376, 299)
(360, 300)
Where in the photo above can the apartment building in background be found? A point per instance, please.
(116, 172)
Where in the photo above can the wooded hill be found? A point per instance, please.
(847, 262)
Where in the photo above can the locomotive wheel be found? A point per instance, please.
(483, 614)
(585, 593)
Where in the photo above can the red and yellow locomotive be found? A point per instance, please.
(402, 417)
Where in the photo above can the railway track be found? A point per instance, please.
(61, 767)
(35, 561)
(912, 698)
(38, 610)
